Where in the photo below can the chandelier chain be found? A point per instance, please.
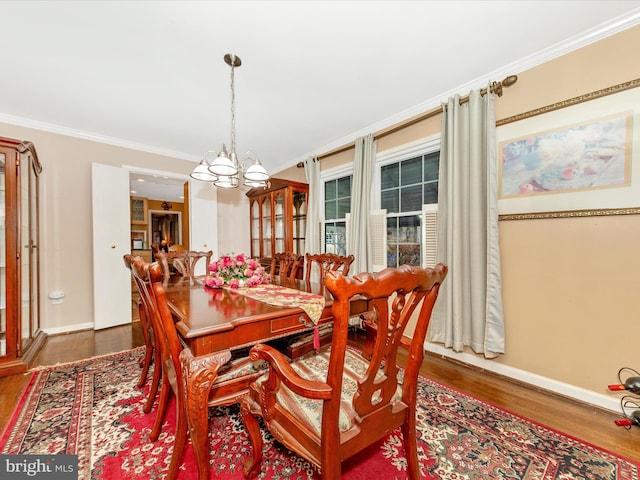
(233, 105)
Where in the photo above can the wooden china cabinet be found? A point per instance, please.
(20, 334)
(278, 216)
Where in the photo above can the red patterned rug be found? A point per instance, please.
(93, 409)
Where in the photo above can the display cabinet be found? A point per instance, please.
(278, 216)
(20, 334)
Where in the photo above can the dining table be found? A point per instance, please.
(211, 320)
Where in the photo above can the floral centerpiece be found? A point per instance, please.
(236, 271)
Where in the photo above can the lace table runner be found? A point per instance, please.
(286, 297)
(280, 296)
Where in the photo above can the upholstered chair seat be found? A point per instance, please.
(315, 367)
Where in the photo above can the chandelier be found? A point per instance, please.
(223, 168)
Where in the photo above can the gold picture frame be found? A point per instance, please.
(577, 184)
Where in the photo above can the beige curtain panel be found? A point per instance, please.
(469, 312)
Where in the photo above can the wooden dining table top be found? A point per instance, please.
(211, 319)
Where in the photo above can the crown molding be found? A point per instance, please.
(94, 137)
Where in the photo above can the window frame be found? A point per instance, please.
(398, 154)
(327, 176)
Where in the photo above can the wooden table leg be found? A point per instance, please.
(199, 375)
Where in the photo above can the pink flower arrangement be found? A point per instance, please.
(236, 271)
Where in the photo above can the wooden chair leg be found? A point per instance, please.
(155, 382)
(145, 360)
(198, 422)
(145, 363)
(331, 469)
(252, 465)
(411, 446)
(180, 440)
(165, 390)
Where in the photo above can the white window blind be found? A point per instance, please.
(429, 234)
(378, 237)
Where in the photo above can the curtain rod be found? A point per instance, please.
(495, 87)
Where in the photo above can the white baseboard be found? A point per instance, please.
(608, 402)
(68, 328)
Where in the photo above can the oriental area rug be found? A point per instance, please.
(93, 409)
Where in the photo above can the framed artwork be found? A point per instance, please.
(138, 211)
(577, 155)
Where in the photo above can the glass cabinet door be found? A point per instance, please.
(28, 253)
(3, 275)
(279, 219)
(299, 203)
(255, 229)
(266, 226)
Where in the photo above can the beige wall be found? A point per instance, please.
(233, 222)
(66, 220)
(570, 286)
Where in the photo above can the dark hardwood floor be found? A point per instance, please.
(588, 423)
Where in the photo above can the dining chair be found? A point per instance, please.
(178, 364)
(301, 344)
(171, 263)
(182, 262)
(329, 406)
(151, 353)
(286, 264)
(192, 258)
(326, 262)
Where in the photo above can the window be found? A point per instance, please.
(337, 203)
(405, 186)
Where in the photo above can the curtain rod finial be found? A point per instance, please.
(510, 80)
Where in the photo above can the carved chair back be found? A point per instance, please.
(286, 264)
(183, 262)
(327, 262)
(329, 406)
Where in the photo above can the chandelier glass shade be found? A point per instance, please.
(223, 168)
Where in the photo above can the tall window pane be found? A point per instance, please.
(431, 164)
(337, 203)
(389, 176)
(390, 200)
(343, 187)
(404, 187)
(411, 199)
(344, 207)
(336, 238)
(411, 172)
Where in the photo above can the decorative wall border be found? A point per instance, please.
(571, 101)
(571, 214)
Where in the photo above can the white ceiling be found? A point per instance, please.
(156, 187)
(150, 75)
